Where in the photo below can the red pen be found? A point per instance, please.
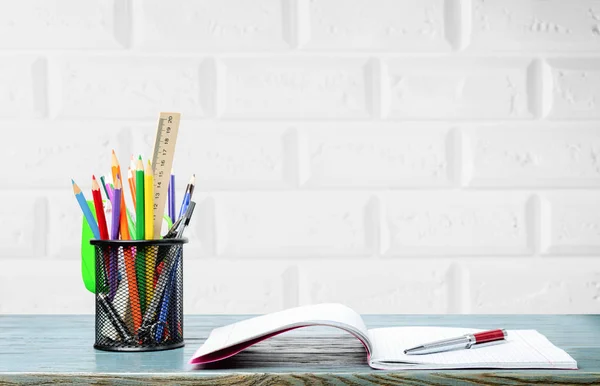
(461, 342)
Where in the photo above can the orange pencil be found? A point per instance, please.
(124, 229)
(129, 256)
(132, 168)
(131, 186)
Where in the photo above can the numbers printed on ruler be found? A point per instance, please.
(162, 162)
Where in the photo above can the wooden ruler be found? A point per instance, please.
(162, 162)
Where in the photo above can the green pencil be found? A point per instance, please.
(104, 187)
(139, 200)
(140, 261)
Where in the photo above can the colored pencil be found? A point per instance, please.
(143, 265)
(129, 256)
(140, 260)
(133, 167)
(99, 209)
(131, 186)
(139, 207)
(149, 202)
(116, 214)
(124, 229)
(86, 210)
(131, 277)
(98, 205)
(149, 228)
(109, 192)
(103, 183)
(171, 197)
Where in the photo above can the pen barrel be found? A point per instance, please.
(457, 343)
(121, 322)
(489, 336)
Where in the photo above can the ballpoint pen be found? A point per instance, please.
(114, 318)
(462, 342)
(162, 282)
(187, 196)
(172, 275)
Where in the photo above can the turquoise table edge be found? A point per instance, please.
(36, 349)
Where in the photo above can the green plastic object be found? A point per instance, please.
(88, 254)
(168, 220)
(88, 258)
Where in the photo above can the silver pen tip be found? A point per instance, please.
(413, 349)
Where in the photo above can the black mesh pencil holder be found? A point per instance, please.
(139, 294)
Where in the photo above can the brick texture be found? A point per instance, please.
(574, 84)
(23, 87)
(288, 88)
(448, 223)
(211, 25)
(571, 223)
(536, 25)
(149, 84)
(417, 156)
(458, 88)
(377, 25)
(316, 224)
(376, 155)
(561, 155)
(407, 286)
(68, 24)
(552, 287)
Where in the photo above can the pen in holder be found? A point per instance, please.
(139, 294)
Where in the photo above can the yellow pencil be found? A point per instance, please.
(148, 201)
(149, 230)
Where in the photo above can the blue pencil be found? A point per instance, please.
(171, 197)
(86, 210)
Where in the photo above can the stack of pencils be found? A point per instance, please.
(110, 219)
(125, 224)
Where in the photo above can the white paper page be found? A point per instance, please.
(520, 349)
(321, 314)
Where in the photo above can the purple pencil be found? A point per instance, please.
(171, 197)
(116, 211)
(110, 192)
(114, 235)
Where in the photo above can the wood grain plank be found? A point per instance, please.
(54, 349)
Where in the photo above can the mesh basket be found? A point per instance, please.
(139, 294)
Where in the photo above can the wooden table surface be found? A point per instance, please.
(58, 349)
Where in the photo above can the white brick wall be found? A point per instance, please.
(415, 156)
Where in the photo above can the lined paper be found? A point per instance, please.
(520, 349)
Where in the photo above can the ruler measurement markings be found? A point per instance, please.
(162, 160)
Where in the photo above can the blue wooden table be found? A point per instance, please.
(58, 349)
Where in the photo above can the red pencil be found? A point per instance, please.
(99, 209)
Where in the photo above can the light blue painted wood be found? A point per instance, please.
(39, 349)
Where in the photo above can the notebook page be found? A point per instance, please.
(327, 314)
(521, 349)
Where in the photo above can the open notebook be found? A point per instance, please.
(522, 349)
